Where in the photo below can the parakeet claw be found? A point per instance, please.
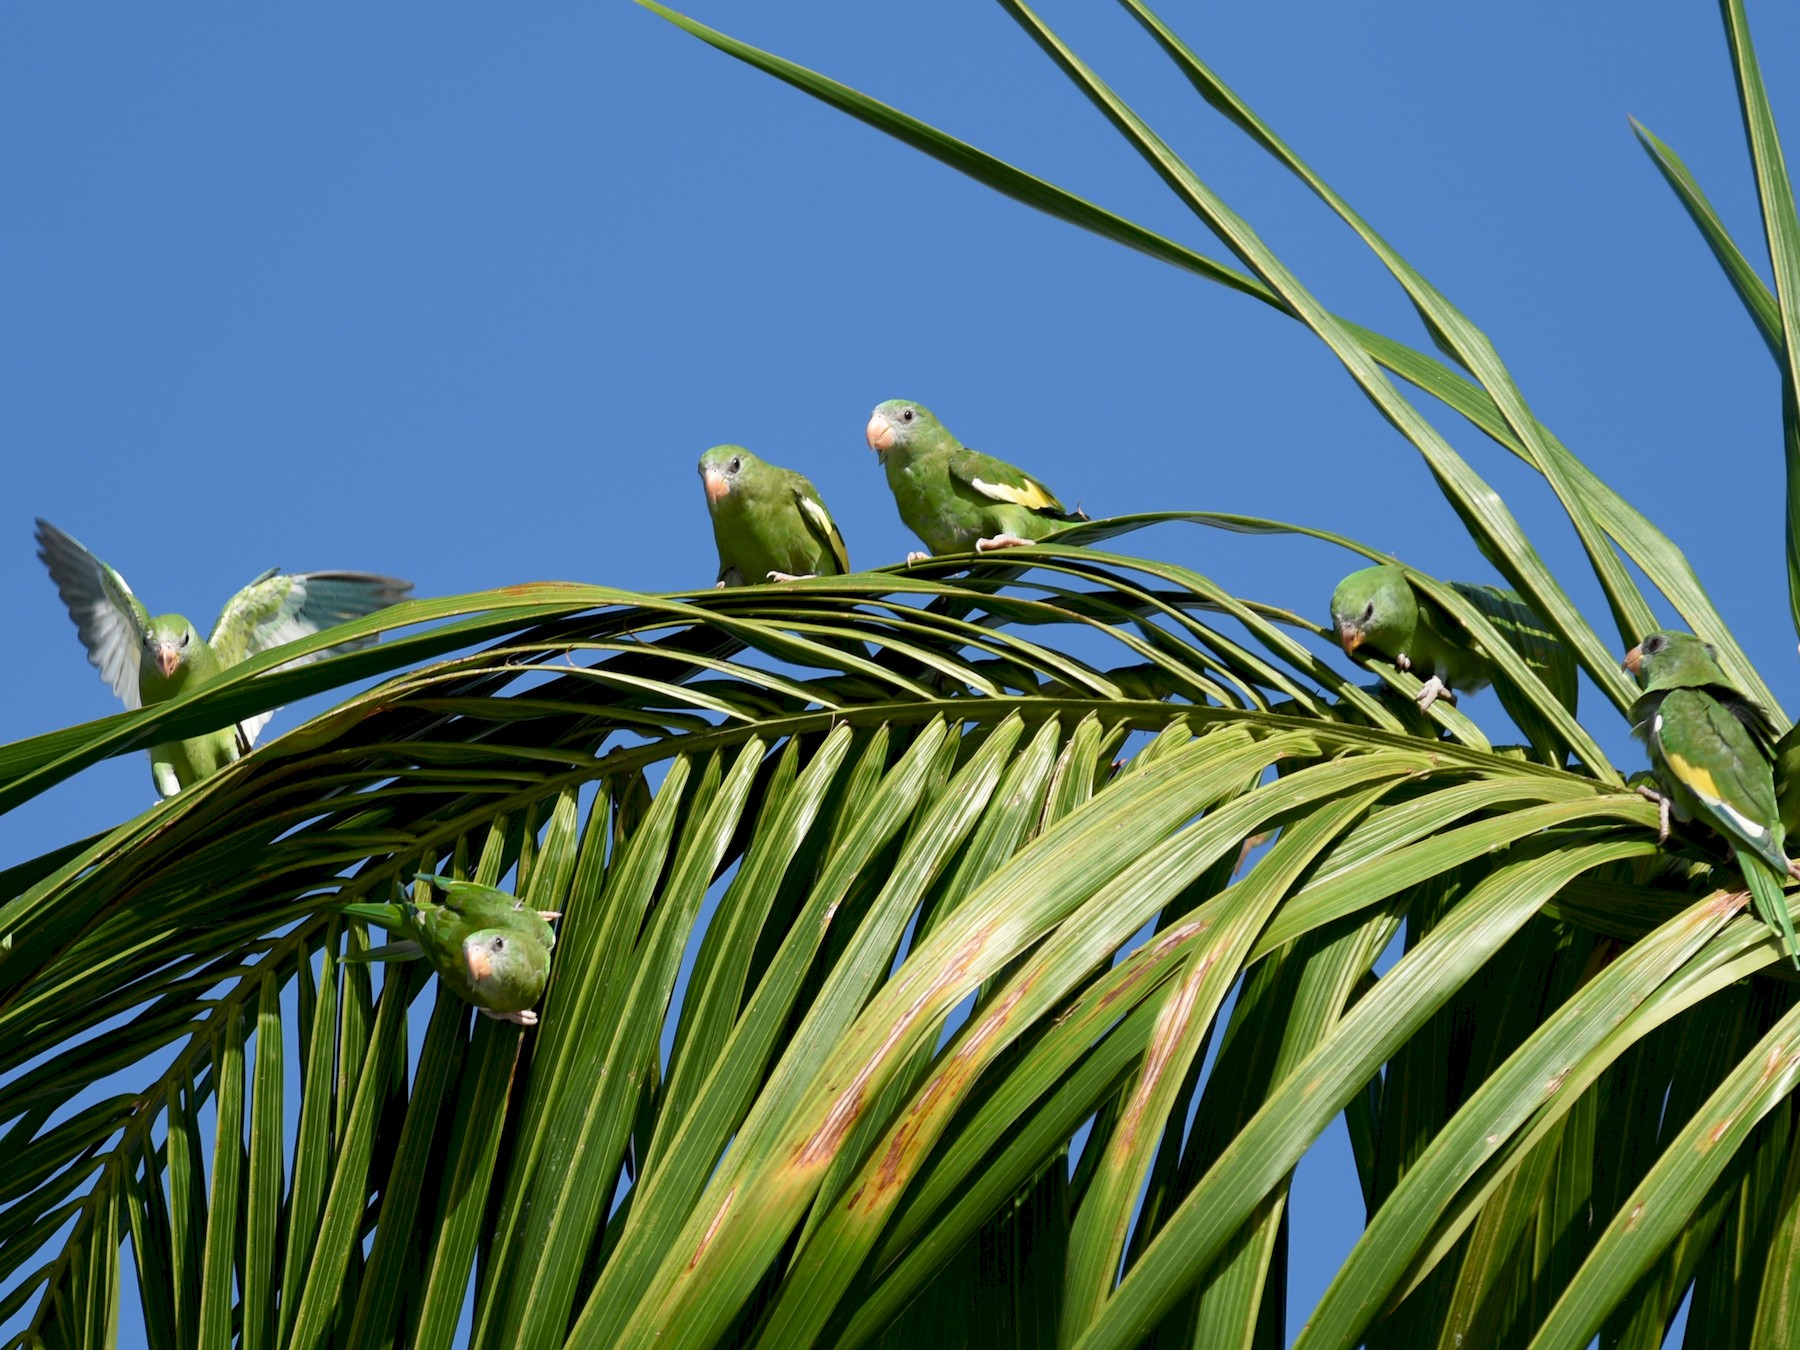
(1404, 662)
(549, 914)
(1662, 814)
(527, 1018)
(917, 557)
(1434, 690)
(792, 576)
(718, 585)
(1001, 541)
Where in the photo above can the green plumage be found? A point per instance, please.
(955, 498)
(769, 523)
(483, 943)
(1710, 748)
(1377, 611)
(152, 660)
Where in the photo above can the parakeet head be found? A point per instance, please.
(1375, 606)
(724, 469)
(901, 425)
(505, 967)
(1674, 661)
(167, 642)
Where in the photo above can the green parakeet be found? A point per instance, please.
(955, 498)
(1787, 779)
(482, 942)
(1376, 611)
(769, 522)
(1710, 747)
(152, 660)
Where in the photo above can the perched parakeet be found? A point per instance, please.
(483, 942)
(955, 498)
(769, 523)
(152, 660)
(1710, 748)
(1787, 779)
(1376, 611)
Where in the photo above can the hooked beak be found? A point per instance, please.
(716, 486)
(168, 656)
(479, 961)
(880, 433)
(1350, 637)
(1634, 659)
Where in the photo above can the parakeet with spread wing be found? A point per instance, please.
(149, 660)
(955, 498)
(769, 523)
(483, 942)
(1710, 747)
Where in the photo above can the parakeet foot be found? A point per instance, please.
(1001, 541)
(917, 557)
(792, 576)
(1434, 690)
(1662, 815)
(527, 1018)
(547, 915)
(1404, 662)
(718, 585)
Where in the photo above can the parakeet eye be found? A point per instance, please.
(499, 944)
(736, 464)
(1368, 611)
(1656, 644)
(907, 415)
(184, 638)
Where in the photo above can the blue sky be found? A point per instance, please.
(463, 295)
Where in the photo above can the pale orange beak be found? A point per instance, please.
(1633, 659)
(716, 486)
(168, 656)
(479, 961)
(880, 433)
(1351, 637)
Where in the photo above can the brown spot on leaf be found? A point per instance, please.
(1171, 1022)
(712, 1228)
(823, 1143)
(1636, 1216)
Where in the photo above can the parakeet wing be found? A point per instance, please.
(819, 521)
(281, 607)
(1709, 752)
(999, 480)
(110, 619)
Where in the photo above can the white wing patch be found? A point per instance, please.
(998, 491)
(1744, 823)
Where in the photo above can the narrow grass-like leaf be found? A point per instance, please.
(1655, 1212)
(1781, 228)
(1271, 1144)
(1750, 288)
(220, 1264)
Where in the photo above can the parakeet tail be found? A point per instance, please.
(1771, 900)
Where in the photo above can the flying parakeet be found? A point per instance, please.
(482, 942)
(955, 498)
(1376, 611)
(769, 522)
(1710, 746)
(152, 660)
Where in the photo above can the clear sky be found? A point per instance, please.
(462, 295)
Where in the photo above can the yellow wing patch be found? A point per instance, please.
(1694, 777)
(1032, 496)
(822, 521)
